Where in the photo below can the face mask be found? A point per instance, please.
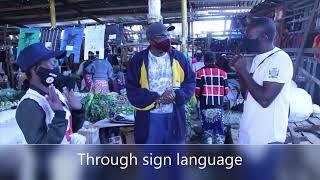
(251, 45)
(48, 76)
(164, 45)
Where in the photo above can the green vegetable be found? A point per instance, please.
(189, 107)
(99, 106)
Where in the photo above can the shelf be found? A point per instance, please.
(306, 50)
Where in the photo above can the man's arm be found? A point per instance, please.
(264, 94)
(243, 86)
(78, 118)
(141, 98)
(188, 86)
(225, 83)
(199, 84)
(33, 125)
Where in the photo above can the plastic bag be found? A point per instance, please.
(300, 105)
(90, 132)
(77, 139)
(316, 110)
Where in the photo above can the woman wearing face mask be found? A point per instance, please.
(44, 114)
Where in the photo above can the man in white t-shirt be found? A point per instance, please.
(265, 116)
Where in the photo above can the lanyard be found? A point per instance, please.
(264, 61)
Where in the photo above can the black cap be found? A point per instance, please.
(36, 53)
(158, 28)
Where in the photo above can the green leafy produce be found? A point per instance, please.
(189, 107)
(9, 98)
(99, 106)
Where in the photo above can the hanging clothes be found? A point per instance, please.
(71, 41)
(94, 40)
(51, 38)
(316, 44)
(299, 40)
(27, 37)
(113, 34)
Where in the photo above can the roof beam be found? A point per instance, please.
(222, 1)
(80, 11)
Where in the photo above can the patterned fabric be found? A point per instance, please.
(211, 86)
(88, 80)
(160, 78)
(72, 41)
(212, 124)
(51, 38)
(101, 86)
(27, 36)
(316, 44)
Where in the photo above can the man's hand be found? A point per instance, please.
(239, 64)
(167, 97)
(53, 99)
(72, 100)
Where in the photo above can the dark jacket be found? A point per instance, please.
(144, 100)
(31, 119)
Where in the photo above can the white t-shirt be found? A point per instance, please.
(260, 125)
(160, 78)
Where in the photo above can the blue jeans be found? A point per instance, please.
(161, 130)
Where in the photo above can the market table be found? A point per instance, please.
(10, 132)
(96, 133)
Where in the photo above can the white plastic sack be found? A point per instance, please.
(90, 132)
(300, 105)
(77, 139)
(316, 110)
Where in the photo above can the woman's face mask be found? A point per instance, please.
(163, 45)
(48, 76)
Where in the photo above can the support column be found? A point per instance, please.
(192, 37)
(184, 25)
(53, 14)
(154, 11)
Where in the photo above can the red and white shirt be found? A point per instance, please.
(211, 87)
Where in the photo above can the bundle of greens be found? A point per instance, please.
(99, 106)
(9, 98)
(189, 107)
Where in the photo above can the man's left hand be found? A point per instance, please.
(239, 64)
(72, 100)
(168, 96)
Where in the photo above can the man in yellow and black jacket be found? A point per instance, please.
(159, 82)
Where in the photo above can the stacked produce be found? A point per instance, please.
(99, 106)
(189, 107)
(9, 98)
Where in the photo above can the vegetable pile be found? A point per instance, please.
(9, 98)
(189, 107)
(99, 106)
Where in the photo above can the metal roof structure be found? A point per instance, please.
(27, 13)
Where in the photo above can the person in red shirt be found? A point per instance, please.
(212, 87)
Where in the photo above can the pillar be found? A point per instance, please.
(154, 11)
(184, 26)
(53, 14)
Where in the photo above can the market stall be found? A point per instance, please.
(109, 118)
